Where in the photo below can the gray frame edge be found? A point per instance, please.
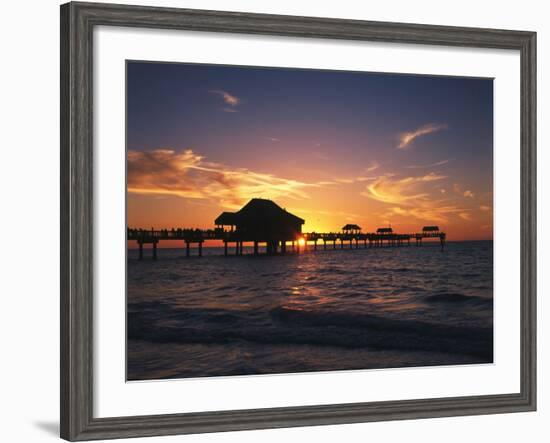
(76, 273)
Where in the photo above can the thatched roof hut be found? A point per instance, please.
(262, 220)
(351, 228)
(430, 229)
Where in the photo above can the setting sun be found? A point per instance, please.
(301, 241)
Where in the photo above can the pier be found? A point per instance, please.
(262, 223)
(233, 242)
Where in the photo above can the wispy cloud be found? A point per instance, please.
(430, 212)
(273, 139)
(485, 208)
(407, 138)
(388, 189)
(409, 197)
(431, 165)
(373, 166)
(463, 193)
(189, 175)
(347, 215)
(366, 178)
(229, 99)
(345, 181)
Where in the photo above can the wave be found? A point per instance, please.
(446, 297)
(162, 323)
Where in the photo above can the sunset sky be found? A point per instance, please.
(331, 147)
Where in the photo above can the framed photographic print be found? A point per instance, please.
(273, 221)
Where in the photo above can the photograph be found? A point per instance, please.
(272, 222)
(284, 220)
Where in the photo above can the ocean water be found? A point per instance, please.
(317, 311)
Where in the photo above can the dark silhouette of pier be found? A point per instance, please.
(262, 222)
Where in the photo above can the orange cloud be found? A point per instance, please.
(407, 138)
(431, 165)
(468, 194)
(187, 174)
(229, 99)
(399, 191)
(372, 166)
(408, 197)
(427, 211)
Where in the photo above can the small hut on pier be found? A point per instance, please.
(351, 229)
(384, 231)
(430, 229)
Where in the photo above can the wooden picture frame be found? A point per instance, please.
(77, 23)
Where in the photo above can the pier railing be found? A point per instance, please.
(300, 243)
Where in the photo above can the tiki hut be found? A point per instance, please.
(262, 220)
(351, 229)
(384, 231)
(430, 229)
